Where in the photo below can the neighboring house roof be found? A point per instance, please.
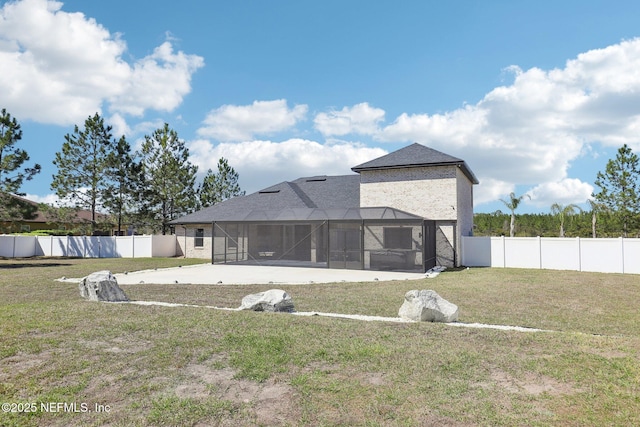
(305, 198)
(82, 215)
(416, 155)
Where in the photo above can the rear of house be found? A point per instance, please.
(404, 211)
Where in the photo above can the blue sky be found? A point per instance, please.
(535, 96)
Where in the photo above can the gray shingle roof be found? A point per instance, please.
(322, 197)
(415, 155)
(285, 201)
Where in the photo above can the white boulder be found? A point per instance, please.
(427, 306)
(271, 300)
(101, 286)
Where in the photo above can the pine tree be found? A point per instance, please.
(12, 173)
(83, 165)
(169, 178)
(122, 192)
(620, 189)
(217, 187)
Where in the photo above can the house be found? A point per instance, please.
(36, 219)
(406, 211)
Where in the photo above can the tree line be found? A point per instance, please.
(145, 190)
(123, 189)
(614, 208)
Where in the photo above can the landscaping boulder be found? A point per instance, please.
(101, 286)
(271, 300)
(427, 306)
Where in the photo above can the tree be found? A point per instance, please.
(122, 192)
(169, 177)
(12, 173)
(216, 188)
(562, 212)
(512, 205)
(619, 187)
(596, 208)
(83, 165)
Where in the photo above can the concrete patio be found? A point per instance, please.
(226, 274)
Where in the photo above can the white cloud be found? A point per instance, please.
(243, 122)
(491, 190)
(361, 119)
(264, 163)
(121, 127)
(158, 81)
(564, 192)
(60, 67)
(50, 199)
(531, 131)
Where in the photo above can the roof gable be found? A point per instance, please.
(415, 155)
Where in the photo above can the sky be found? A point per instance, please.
(535, 95)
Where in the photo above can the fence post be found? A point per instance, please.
(539, 252)
(579, 253)
(622, 253)
(504, 252)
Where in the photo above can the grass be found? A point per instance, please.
(155, 365)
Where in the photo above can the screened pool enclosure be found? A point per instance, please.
(353, 238)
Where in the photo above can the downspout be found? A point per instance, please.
(213, 240)
(328, 244)
(362, 245)
(185, 241)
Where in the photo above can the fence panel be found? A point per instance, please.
(76, 246)
(17, 246)
(596, 255)
(124, 247)
(497, 252)
(88, 246)
(476, 251)
(142, 246)
(560, 254)
(522, 252)
(59, 245)
(43, 246)
(108, 247)
(632, 256)
(92, 246)
(601, 255)
(163, 246)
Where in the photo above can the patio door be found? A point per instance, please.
(345, 250)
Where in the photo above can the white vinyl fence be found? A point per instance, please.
(88, 246)
(598, 255)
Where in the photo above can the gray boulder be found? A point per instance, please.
(101, 286)
(271, 300)
(427, 306)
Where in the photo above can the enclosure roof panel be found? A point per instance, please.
(318, 214)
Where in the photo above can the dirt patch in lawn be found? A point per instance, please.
(531, 384)
(272, 402)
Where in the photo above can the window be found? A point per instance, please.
(397, 238)
(199, 239)
(25, 228)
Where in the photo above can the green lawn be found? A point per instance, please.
(128, 365)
